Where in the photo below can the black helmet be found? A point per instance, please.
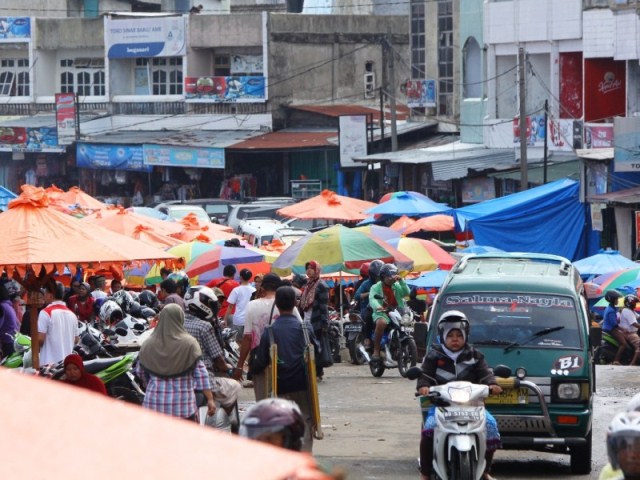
(388, 270)
(630, 301)
(274, 415)
(451, 320)
(374, 269)
(202, 302)
(148, 299)
(181, 279)
(612, 296)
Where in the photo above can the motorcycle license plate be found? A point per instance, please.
(512, 396)
(462, 416)
(352, 327)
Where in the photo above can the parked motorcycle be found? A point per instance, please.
(606, 352)
(354, 337)
(335, 335)
(397, 348)
(21, 357)
(459, 438)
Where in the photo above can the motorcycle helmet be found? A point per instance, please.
(634, 404)
(451, 320)
(274, 415)
(202, 302)
(123, 299)
(623, 431)
(111, 312)
(612, 296)
(364, 269)
(630, 301)
(147, 313)
(182, 281)
(388, 270)
(374, 269)
(148, 299)
(135, 309)
(97, 305)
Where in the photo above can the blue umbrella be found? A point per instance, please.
(481, 249)
(412, 204)
(605, 261)
(433, 279)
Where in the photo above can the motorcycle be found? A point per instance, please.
(353, 330)
(606, 352)
(397, 348)
(459, 437)
(335, 335)
(21, 357)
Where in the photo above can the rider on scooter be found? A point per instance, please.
(362, 294)
(454, 359)
(391, 289)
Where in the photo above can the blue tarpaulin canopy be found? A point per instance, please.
(546, 219)
(5, 197)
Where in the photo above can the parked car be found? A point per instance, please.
(217, 208)
(289, 235)
(311, 225)
(179, 211)
(242, 212)
(260, 230)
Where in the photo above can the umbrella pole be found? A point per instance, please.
(340, 290)
(34, 303)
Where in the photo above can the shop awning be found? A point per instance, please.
(535, 173)
(626, 197)
(290, 140)
(185, 138)
(595, 153)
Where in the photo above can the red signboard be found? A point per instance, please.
(571, 85)
(66, 118)
(604, 89)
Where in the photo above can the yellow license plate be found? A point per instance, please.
(511, 396)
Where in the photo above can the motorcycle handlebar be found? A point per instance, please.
(511, 382)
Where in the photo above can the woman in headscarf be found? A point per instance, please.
(314, 306)
(170, 364)
(75, 374)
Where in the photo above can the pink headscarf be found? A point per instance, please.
(309, 293)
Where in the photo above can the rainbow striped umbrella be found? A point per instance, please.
(609, 281)
(426, 255)
(378, 231)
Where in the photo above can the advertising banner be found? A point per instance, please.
(25, 139)
(247, 89)
(145, 37)
(560, 132)
(353, 139)
(598, 135)
(247, 64)
(476, 190)
(170, 156)
(421, 93)
(570, 84)
(625, 155)
(15, 29)
(604, 89)
(66, 118)
(110, 157)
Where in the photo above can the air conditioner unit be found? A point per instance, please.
(369, 85)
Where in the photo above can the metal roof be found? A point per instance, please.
(185, 138)
(627, 196)
(402, 111)
(47, 120)
(595, 153)
(289, 140)
(535, 174)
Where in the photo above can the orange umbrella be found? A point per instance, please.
(402, 223)
(53, 192)
(75, 196)
(147, 235)
(41, 241)
(168, 447)
(119, 220)
(328, 206)
(434, 223)
(194, 230)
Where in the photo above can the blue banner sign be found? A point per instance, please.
(170, 156)
(15, 28)
(110, 157)
(146, 37)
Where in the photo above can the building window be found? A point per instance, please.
(84, 76)
(445, 57)
(165, 74)
(221, 65)
(472, 69)
(14, 77)
(418, 55)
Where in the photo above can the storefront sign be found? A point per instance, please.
(110, 157)
(26, 139)
(170, 156)
(66, 118)
(353, 139)
(247, 64)
(625, 154)
(476, 190)
(232, 89)
(597, 222)
(604, 89)
(145, 37)
(15, 29)
(598, 135)
(560, 132)
(421, 93)
(571, 85)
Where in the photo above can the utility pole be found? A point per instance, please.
(546, 135)
(524, 173)
(390, 89)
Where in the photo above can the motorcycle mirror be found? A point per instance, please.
(121, 331)
(413, 373)
(502, 371)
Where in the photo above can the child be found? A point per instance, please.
(454, 359)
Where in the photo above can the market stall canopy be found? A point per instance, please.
(413, 204)
(6, 196)
(195, 230)
(337, 248)
(119, 220)
(605, 261)
(434, 223)
(426, 255)
(402, 223)
(378, 231)
(48, 418)
(328, 206)
(147, 235)
(76, 196)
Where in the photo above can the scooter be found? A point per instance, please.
(354, 337)
(459, 438)
(397, 348)
(606, 352)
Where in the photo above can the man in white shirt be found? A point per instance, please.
(629, 325)
(238, 300)
(57, 326)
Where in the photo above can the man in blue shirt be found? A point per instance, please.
(610, 323)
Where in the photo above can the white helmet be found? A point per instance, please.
(110, 309)
(623, 430)
(202, 302)
(123, 299)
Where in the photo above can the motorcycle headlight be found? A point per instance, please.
(460, 395)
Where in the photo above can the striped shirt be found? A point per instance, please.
(174, 396)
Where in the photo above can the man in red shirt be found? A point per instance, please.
(226, 283)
